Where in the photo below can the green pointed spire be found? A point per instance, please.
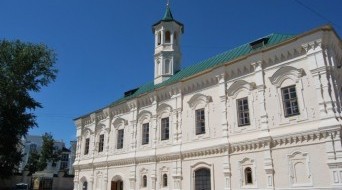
(168, 15)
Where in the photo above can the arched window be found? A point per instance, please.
(202, 179)
(248, 176)
(144, 182)
(167, 37)
(167, 66)
(85, 185)
(159, 38)
(165, 180)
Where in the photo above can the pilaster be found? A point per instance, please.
(132, 178)
(260, 86)
(177, 175)
(223, 103)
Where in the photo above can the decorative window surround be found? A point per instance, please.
(201, 165)
(245, 164)
(237, 90)
(288, 76)
(164, 171)
(144, 117)
(100, 130)
(196, 102)
(86, 135)
(144, 172)
(119, 124)
(164, 111)
(299, 169)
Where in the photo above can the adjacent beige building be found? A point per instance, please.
(264, 115)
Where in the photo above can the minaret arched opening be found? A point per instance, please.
(167, 37)
(159, 38)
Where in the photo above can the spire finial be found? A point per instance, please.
(168, 3)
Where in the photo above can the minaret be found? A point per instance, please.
(167, 53)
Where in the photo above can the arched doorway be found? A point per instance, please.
(117, 183)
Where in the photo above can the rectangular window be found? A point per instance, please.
(200, 121)
(86, 146)
(243, 111)
(145, 133)
(120, 139)
(101, 143)
(165, 128)
(290, 101)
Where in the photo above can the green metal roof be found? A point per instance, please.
(168, 18)
(168, 15)
(210, 63)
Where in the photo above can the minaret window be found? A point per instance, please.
(167, 66)
(159, 38)
(167, 37)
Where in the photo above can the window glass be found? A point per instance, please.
(202, 179)
(120, 139)
(101, 142)
(165, 128)
(144, 184)
(164, 180)
(290, 102)
(200, 121)
(145, 133)
(243, 111)
(159, 38)
(86, 147)
(167, 37)
(248, 176)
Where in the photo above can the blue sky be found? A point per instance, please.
(105, 47)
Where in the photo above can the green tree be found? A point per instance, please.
(32, 162)
(24, 68)
(48, 152)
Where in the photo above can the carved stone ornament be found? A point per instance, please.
(198, 98)
(239, 85)
(286, 72)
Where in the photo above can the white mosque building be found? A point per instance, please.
(264, 115)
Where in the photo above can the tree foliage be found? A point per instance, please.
(38, 161)
(24, 68)
(48, 152)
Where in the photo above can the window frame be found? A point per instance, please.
(120, 138)
(165, 180)
(86, 146)
(198, 180)
(144, 181)
(290, 100)
(145, 134)
(243, 111)
(167, 37)
(165, 129)
(200, 121)
(101, 143)
(248, 176)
